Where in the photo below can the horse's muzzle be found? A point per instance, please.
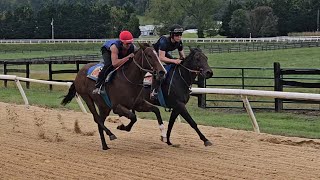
(159, 75)
(207, 73)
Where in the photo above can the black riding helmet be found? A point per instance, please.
(175, 29)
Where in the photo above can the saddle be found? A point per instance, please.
(94, 71)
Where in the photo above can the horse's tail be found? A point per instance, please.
(71, 94)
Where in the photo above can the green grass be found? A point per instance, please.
(43, 54)
(288, 123)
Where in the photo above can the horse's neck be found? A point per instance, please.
(134, 73)
(186, 74)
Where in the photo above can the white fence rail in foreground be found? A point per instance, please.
(25, 99)
(243, 93)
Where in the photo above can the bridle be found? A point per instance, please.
(143, 58)
(197, 72)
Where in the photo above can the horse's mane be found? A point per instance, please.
(193, 51)
(141, 46)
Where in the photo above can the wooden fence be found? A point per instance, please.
(282, 79)
(10, 66)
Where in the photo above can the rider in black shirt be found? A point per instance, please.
(166, 44)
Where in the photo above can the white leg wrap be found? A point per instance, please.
(163, 132)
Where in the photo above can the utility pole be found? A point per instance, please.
(318, 21)
(52, 29)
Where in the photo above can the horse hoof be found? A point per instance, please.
(163, 139)
(105, 148)
(207, 143)
(121, 127)
(112, 137)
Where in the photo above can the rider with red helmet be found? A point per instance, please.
(114, 52)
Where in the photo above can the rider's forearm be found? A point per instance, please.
(167, 60)
(117, 62)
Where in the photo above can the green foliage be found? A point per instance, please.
(199, 12)
(263, 22)
(225, 28)
(239, 24)
(288, 16)
(70, 20)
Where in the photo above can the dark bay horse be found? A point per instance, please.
(176, 89)
(123, 91)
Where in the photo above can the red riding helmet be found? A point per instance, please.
(126, 37)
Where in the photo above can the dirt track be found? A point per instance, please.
(42, 144)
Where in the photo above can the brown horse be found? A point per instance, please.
(123, 91)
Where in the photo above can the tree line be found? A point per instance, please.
(69, 20)
(106, 18)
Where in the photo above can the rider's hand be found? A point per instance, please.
(131, 55)
(177, 61)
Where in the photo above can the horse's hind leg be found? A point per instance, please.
(145, 106)
(185, 114)
(123, 111)
(103, 114)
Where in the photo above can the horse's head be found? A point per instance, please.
(151, 61)
(198, 61)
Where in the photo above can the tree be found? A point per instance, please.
(263, 22)
(225, 28)
(201, 11)
(239, 24)
(170, 12)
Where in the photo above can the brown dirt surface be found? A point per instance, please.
(40, 143)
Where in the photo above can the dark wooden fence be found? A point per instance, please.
(282, 78)
(23, 65)
(277, 79)
(255, 46)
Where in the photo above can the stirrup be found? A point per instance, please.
(97, 91)
(153, 95)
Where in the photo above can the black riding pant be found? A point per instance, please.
(107, 68)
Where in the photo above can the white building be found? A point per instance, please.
(147, 30)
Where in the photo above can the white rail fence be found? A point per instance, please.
(192, 40)
(243, 93)
(25, 99)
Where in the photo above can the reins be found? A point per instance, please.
(185, 82)
(140, 67)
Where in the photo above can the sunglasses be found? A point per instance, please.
(177, 34)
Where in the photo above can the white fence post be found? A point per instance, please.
(26, 102)
(251, 114)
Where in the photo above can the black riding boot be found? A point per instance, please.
(154, 89)
(101, 79)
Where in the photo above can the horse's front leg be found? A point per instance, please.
(172, 120)
(185, 114)
(145, 106)
(123, 111)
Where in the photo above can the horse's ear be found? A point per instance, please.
(190, 48)
(141, 46)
